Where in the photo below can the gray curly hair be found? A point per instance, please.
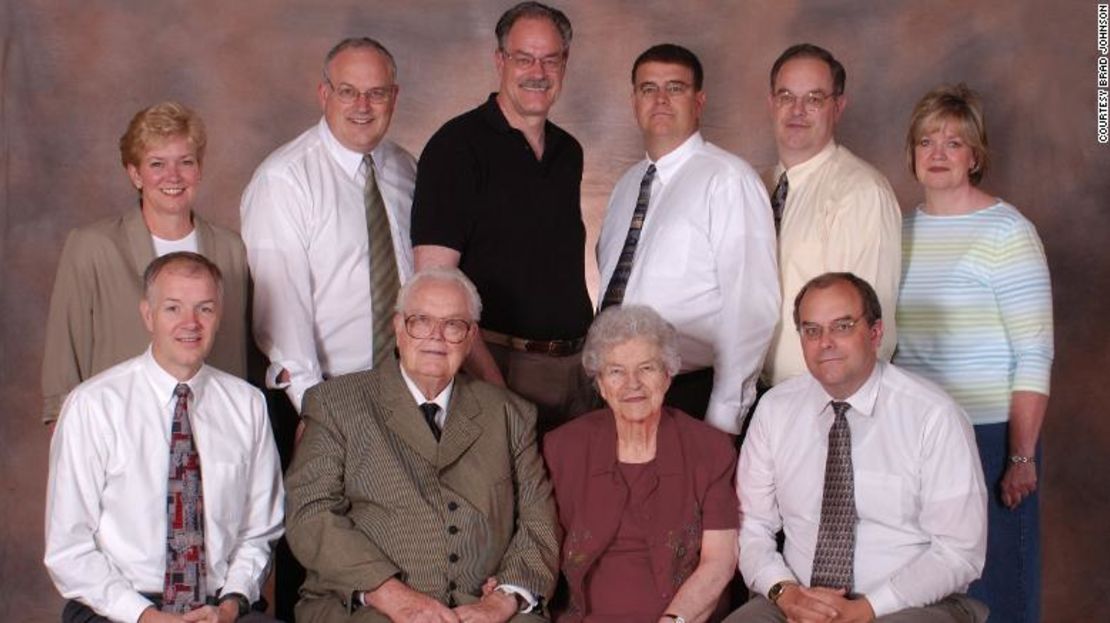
(619, 324)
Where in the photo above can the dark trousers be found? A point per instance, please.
(690, 392)
(77, 612)
(1011, 582)
(288, 572)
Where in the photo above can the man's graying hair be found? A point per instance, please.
(534, 10)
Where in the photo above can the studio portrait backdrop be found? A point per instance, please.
(73, 73)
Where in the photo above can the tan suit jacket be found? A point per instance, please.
(371, 495)
(94, 320)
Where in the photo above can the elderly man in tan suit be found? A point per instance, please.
(416, 494)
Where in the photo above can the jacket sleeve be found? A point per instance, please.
(531, 560)
(67, 357)
(318, 530)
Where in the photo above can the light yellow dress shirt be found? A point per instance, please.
(840, 215)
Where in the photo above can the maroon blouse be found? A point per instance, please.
(627, 549)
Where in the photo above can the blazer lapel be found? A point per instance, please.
(462, 427)
(401, 413)
(139, 243)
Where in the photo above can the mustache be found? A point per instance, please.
(535, 83)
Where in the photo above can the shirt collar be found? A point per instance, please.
(441, 400)
(798, 173)
(863, 401)
(164, 383)
(349, 161)
(491, 112)
(669, 163)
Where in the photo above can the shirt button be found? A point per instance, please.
(452, 529)
(451, 586)
(453, 558)
(452, 506)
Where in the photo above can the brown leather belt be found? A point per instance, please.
(553, 348)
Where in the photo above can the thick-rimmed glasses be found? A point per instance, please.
(421, 327)
(523, 61)
(812, 101)
(349, 95)
(841, 327)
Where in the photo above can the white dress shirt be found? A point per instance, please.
(706, 262)
(304, 224)
(841, 215)
(441, 400)
(920, 498)
(106, 493)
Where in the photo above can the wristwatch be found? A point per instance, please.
(674, 617)
(243, 602)
(1017, 458)
(776, 591)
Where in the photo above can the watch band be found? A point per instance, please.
(1017, 458)
(674, 617)
(776, 591)
(243, 603)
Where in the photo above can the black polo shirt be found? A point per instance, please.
(516, 221)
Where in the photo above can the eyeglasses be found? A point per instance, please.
(421, 327)
(842, 327)
(674, 88)
(619, 375)
(523, 60)
(812, 101)
(349, 95)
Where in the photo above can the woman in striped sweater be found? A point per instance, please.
(975, 316)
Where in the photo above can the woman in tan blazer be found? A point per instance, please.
(94, 318)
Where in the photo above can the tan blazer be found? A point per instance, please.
(371, 495)
(94, 320)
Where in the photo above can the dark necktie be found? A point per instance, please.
(614, 293)
(836, 534)
(384, 281)
(184, 588)
(430, 409)
(778, 199)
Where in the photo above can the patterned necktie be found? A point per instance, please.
(836, 535)
(384, 281)
(184, 588)
(778, 199)
(430, 409)
(614, 293)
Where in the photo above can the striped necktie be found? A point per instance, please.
(614, 293)
(384, 281)
(778, 199)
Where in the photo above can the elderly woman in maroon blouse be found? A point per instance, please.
(645, 492)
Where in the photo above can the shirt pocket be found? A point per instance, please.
(226, 494)
(880, 497)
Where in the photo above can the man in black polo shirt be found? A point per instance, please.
(497, 194)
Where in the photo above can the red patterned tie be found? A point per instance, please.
(184, 588)
(836, 534)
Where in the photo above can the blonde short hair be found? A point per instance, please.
(951, 103)
(158, 123)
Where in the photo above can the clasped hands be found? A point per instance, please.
(404, 605)
(804, 604)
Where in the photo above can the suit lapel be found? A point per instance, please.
(463, 427)
(402, 415)
(139, 243)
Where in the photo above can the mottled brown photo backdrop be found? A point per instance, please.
(72, 73)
